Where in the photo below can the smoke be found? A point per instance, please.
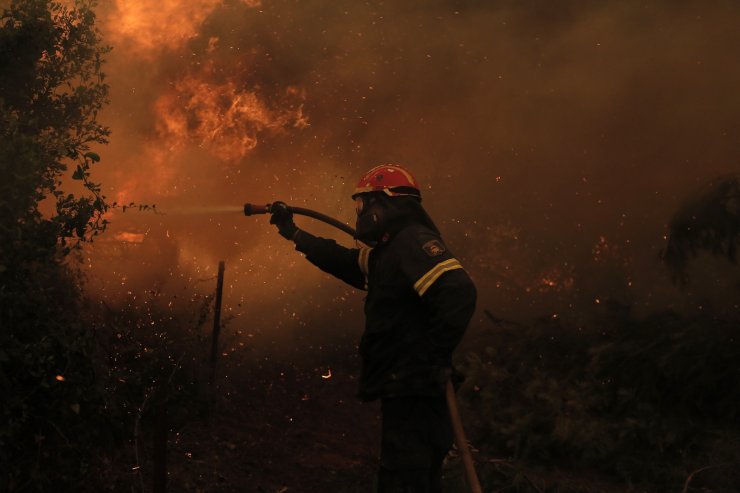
(553, 141)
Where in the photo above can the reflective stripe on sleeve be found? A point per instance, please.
(433, 274)
(363, 260)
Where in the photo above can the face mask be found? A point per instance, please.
(371, 212)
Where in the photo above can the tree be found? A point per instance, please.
(51, 90)
(709, 222)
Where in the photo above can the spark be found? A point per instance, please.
(549, 282)
(328, 374)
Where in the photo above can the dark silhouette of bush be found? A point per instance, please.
(51, 89)
(643, 400)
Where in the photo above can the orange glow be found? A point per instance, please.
(549, 282)
(127, 237)
(556, 279)
(222, 117)
(146, 27)
(60, 378)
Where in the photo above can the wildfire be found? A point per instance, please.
(214, 106)
(146, 27)
(224, 118)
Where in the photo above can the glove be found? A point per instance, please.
(282, 217)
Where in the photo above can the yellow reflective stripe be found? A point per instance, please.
(363, 261)
(428, 279)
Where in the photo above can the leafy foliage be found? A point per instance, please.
(641, 400)
(51, 89)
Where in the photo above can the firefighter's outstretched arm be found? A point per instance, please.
(347, 264)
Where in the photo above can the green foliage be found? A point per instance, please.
(641, 400)
(51, 89)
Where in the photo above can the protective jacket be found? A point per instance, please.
(418, 305)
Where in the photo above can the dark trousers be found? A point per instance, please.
(416, 436)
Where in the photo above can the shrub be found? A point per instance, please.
(642, 400)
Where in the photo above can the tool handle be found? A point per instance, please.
(461, 441)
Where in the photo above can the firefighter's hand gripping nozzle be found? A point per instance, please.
(281, 216)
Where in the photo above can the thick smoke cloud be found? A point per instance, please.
(553, 140)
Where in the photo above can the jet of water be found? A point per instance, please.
(206, 209)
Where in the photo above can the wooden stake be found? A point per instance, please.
(461, 441)
(217, 320)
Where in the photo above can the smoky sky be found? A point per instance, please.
(552, 140)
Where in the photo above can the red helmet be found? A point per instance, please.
(392, 179)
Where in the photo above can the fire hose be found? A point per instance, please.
(457, 427)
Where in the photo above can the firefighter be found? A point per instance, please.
(418, 305)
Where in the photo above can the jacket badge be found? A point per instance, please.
(434, 248)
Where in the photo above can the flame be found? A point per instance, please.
(146, 27)
(225, 118)
(209, 107)
(127, 237)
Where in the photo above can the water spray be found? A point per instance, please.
(457, 427)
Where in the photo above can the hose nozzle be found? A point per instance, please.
(252, 209)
